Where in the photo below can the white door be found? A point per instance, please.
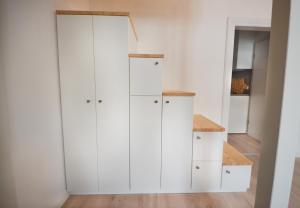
(207, 175)
(112, 92)
(145, 143)
(146, 76)
(177, 147)
(76, 63)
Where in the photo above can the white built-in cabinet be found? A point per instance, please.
(121, 135)
(145, 143)
(177, 138)
(94, 75)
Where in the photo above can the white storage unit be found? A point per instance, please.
(145, 143)
(206, 176)
(207, 146)
(207, 161)
(93, 57)
(238, 114)
(236, 178)
(146, 76)
(177, 136)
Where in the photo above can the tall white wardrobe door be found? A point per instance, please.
(112, 92)
(177, 139)
(145, 143)
(75, 41)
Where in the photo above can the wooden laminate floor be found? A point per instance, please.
(245, 144)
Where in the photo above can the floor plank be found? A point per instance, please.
(244, 143)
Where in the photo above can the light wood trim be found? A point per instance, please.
(139, 55)
(232, 156)
(203, 124)
(178, 93)
(101, 13)
(133, 28)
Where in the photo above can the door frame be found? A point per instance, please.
(232, 25)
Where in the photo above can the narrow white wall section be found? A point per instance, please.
(33, 104)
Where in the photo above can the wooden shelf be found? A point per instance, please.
(232, 157)
(178, 93)
(203, 124)
(136, 55)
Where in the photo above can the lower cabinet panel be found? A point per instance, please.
(236, 178)
(145, 144)
(177, 144)
(206, 176)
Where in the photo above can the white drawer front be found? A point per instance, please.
(236, 178)
(207, 146)
(206, 176)
(146, 76)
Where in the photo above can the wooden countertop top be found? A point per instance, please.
(100, 13)
(232, 156)
(177, 93)
(144, 55)
(203, 124)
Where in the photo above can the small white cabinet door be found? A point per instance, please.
(208, 146)
(207, 176)
(145, 143)
(112, 92)
(236, 178)
(177, 144)
(76, 63)
(146, 76)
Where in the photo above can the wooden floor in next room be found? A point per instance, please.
(244, 143)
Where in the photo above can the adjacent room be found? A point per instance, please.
(149, 104)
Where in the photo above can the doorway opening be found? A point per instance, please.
(248, 87)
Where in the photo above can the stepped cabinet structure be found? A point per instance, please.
(122, 133)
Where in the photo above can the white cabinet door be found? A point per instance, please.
(146, 76)
(236, 178)
(208, 146)
(177, 144)
(145, 143)
(112, 92)
(207, 176)
(238, 114)
(76, 63)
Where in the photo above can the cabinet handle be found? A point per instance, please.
(88, 101)
(99, 101)
(155, 101)
(156, 63)
(198, 137)
(197, 167)
(167, 101)
(227, 171)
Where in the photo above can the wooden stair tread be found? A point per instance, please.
(177, 93)
(203, 124)
(232, 156)
(144, 55)
(100, 13)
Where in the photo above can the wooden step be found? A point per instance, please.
(144, 55)
(203, 124)
(177, 93)
(232, 157)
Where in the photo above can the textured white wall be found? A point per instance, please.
(33, 126)
(191, 33)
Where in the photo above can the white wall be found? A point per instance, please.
(191, 33)
(245, 49)
(282, 114)
(298, 146)
(258, 87)
(33, 136)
